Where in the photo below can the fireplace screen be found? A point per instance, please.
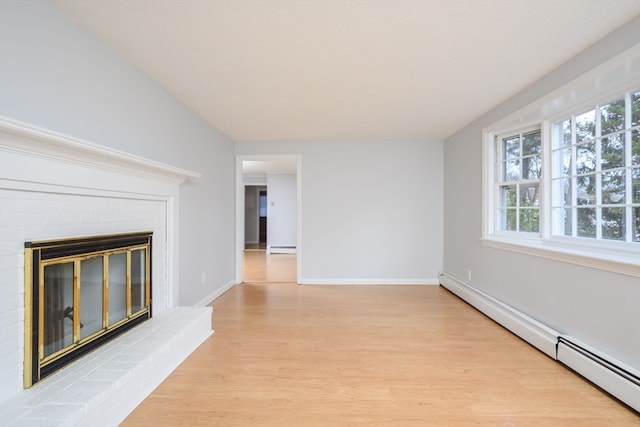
(81, 292)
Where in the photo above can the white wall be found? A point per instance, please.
(57, 76)
(371, 211)
(281, 209)
(598, 308)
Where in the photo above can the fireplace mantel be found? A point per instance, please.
(37, 160)
(54, 186)
(25, 139)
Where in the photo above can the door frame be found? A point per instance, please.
(240, 209)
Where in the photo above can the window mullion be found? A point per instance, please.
(546, 181)
(519, 183)
(598, 143)
(497, 181)
(628, 183)
(517, 206)
(574, 180)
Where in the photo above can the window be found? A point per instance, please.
(596, 171)
(519, 181)
(562, 175)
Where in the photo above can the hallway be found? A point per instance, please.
(258, 267)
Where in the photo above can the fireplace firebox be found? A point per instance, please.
(81, 292)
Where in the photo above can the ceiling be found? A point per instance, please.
(379, 70)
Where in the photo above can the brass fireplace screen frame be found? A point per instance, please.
(53, 332)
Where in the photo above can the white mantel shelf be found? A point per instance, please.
(34, 141)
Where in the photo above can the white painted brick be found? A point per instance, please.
(40, 205)
(11, 317)
(11, 233)
(104, 228)
(9, 332)
(12, 261)
(10, 303)
(17, 219)
(11, 290)
(33, 216)
(11, 246)
(11, 365)
(11, 281)
(10, 344)
(11, 373)
(62, 218)
(75, 206)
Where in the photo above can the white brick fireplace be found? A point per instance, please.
(54, 186)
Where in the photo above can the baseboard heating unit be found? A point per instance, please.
(613, 376)
(281, 250)
(617, 379)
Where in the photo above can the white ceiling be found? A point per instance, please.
(379, 70)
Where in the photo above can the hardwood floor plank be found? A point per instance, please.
(290, 355)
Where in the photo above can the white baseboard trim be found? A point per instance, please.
(215, 294)
(535, 333)
(366, 282)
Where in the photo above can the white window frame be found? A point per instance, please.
(500, 180)
(605, 82)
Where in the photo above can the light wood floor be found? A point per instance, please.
(260, 267)
(289, 355)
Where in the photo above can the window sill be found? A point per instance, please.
(627, 262)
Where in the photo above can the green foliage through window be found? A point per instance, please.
(596, 180)
(520, 173)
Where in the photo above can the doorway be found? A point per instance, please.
(255, 171)
(262, 219)
(255, 217)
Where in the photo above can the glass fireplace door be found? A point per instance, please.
(80, 300)
(58, 306)
(81, 292)
(117, 288)
(91, 296)
(138, 280)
